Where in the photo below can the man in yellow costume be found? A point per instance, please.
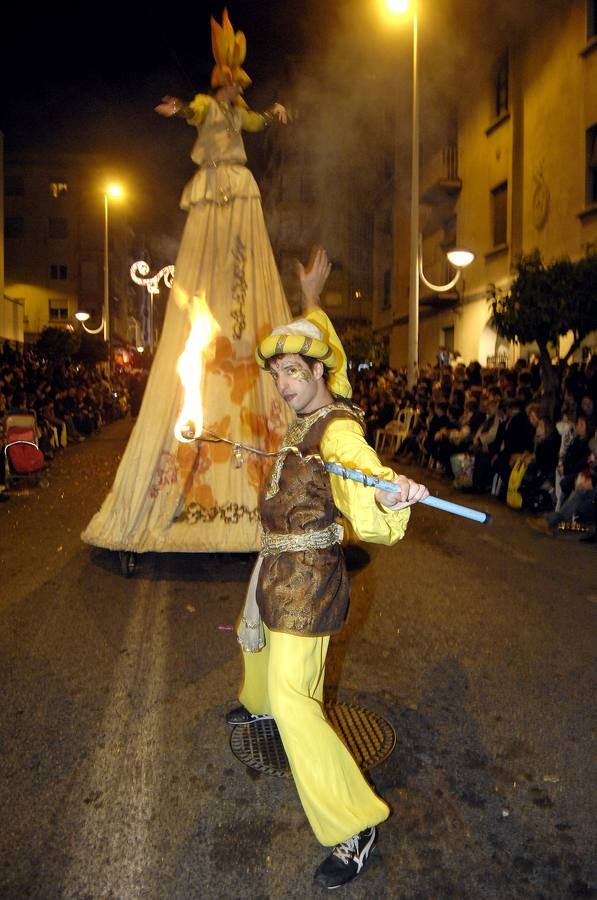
(299, 591)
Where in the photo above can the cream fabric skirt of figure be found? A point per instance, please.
(192, 497)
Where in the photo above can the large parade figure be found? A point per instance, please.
(299, 591)
(174, 497)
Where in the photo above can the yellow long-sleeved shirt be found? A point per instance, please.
(344, 442)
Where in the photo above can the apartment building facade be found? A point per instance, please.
(54, 242)
(509, 166)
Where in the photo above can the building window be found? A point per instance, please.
(58, 311)
(14, 186)
(499, 214)
(14, 227)
(447, 338)
(591, 19)
(57, 227)
(58, 188)
(591, 177)
(386, 300)
(501, 87)
(58, 272)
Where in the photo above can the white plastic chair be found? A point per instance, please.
(394, 432)
(404, 420)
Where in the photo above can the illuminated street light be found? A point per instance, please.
(397, 7)
(458, 259)
(82, 317)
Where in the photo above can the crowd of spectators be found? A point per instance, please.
(488, 430)
(71, 401)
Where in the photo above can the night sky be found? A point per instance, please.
(86, 78)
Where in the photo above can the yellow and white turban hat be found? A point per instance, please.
(314, 337)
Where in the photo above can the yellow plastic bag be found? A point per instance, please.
(514, 497)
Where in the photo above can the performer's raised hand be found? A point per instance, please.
(314, 277)
(410, 492)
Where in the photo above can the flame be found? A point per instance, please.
(204, 328)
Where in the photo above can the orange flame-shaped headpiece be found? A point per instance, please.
(229, 50)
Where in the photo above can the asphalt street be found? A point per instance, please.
(476, 643)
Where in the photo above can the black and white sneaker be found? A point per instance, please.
(242, 716)
(347, 860)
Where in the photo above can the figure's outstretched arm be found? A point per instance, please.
(193, 112)
(255, 121)
(313, 277)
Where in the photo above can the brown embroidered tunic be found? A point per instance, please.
(303, 591)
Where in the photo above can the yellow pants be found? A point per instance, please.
(285, 680)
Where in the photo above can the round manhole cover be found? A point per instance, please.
(369, 738)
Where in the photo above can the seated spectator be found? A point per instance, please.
(587, 408)
(575, 457)
(442, 440)
(48, 415)
(473, 371)
(578, 507)
(460, 438)
(538, 484)
(412, 449)
(62, 411)
(487, 441)
(517, 440)
(439, 419)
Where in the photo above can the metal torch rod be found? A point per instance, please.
(436, 502)
(354, 475)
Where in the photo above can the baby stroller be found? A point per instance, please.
(22, 457)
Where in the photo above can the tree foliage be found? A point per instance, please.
(544, 303)
(360, 345)
(58, 344)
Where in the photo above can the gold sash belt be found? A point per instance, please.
(273, 543)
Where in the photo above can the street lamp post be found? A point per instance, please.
(413, 294)
(400, 8)
(112, 190)
(458, 258)
(106, 278)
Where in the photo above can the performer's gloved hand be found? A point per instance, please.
(314, 277)
(280, 112)
(410, 492)
(169, 106)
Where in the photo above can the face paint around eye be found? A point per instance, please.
(299, 374)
